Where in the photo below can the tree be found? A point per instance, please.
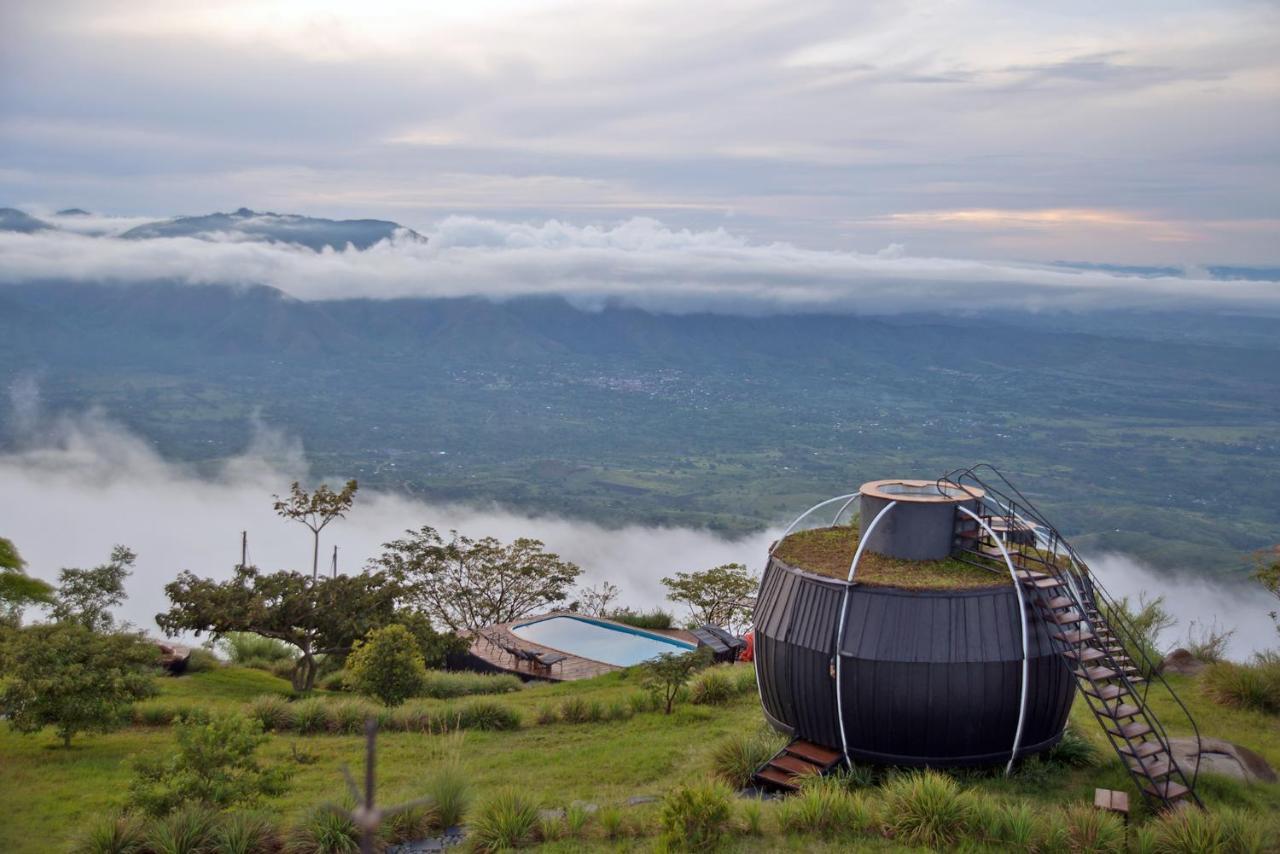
(17, 589)
(387, 665)
(467, 584)
(668, 673)
(595, 601)
(86, 595)
(1267, 572)
(69, 677)
(324, 615)
(436, 647)
(213, 765)
(720, 596)
(315, 510)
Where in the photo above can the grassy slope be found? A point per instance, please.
(49, 792)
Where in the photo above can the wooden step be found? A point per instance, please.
(1096, 674)
(794, 765)
(1074, 637)
(1119, 710)
(1032, 575)
(1066, 619)
(1154, 768)
(815, 754)
(1046, 583)
(776, 777)
(1084, 655)
(1137, 729)
(1143, 750)
(1167, 790)
(1105, 692)
(1057, 603)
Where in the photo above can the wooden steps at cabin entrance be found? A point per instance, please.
(797, 759)
(1103, 670)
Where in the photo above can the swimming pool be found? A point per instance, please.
(612, 644)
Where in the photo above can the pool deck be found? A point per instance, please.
(572, 668)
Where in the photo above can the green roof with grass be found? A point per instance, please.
(829, 551)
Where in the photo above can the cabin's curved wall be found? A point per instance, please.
(927, 677)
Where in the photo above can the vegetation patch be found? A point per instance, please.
(829, 552)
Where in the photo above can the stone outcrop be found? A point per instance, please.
(1218, 756)
(1182, 662)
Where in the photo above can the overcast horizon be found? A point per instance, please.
(1141, 134)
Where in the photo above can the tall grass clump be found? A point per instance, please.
(348, 716)
(253, 650)
(1208, 641)
(655, 619)
(122, 833)
(189, 830)
(323, 831)
(824, 808)
(311, 715)
(1191, 831)
(1015, 826)
(1074, 751)
(449, 793)
(507, 819)
(696, 817)
(927, 808)
(442, 685)
(486, 715)
(1254, 687)
(712, 687)
(246, 833)
(1093, 830)
(274, 712)
(201, 661)
(409, 825)
(736, 757)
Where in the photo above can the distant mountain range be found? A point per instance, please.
(244, 224)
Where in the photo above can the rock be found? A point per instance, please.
(1218, 756)
(637, 800)
(173, 657)
(1183, 662)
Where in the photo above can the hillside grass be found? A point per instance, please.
(51, 793)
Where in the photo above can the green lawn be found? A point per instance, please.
(49, 793)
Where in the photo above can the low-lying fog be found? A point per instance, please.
(78, 485)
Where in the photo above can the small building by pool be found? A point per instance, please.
(591, 646)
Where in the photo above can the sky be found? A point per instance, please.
(98, 485)
(1140, 132)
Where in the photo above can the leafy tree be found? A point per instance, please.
(668, 673)
(17, 589)
(213, 765)
(1267, 572)
(387, 665)
(86, 596)
(595, 601)
(719, 596)
(436, 647)
(69, 677)
(317, 616)
(467, 584)
(315, 510)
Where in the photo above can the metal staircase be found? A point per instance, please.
(1111, 669)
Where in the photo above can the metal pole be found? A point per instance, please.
(844, 612)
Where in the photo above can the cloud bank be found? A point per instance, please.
(81, 484)
(640, 262)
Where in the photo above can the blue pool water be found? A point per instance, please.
(598, 641)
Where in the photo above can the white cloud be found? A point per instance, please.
(639, 262)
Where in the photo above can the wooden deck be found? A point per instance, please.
(572, 668)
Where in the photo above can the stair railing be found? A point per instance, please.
(1091, 591)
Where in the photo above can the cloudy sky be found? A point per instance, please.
(1136, 132)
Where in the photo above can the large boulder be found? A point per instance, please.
(1183, 662)
(173, 656)
(1218, 756)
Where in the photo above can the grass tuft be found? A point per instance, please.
(696, 817)
(1254, 687)
(737, 756)
(117, 834)
(507, 819)
(927, 808)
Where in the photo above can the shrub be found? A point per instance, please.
(450, 794)
(506, 820)
(655, 619)
(926, 808)
(666, 675)
(1091, 829)
(246, 833)
(735, 758)
(202, 661)
(323, 830)
(117, 834)
(1255, 686)
(190, 830)
(1208, 641)
(310, 715)
(712, 687)
(1142, 627)
(274, 712)
(446, 686)
(486, 715)
(387, 665)
(1074, 751)
(212, 764)
(696, 816)
(253, 650)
